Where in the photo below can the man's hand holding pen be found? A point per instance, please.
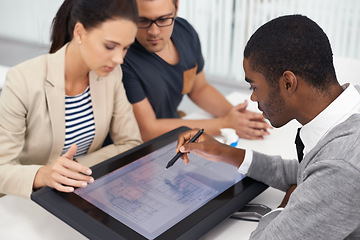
(179, 154)
(209, 148)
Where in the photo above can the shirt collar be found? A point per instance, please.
(346, 104)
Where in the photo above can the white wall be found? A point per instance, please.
(27, 20)
(224, 26)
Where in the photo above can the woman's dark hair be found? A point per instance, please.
(91, 13)
(294, 43)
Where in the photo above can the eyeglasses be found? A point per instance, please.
(160, 22)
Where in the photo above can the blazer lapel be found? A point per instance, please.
(55, 97)
(98, 99)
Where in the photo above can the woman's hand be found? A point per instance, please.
(64, 174)
(209, 148)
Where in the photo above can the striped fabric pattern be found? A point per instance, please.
(79, 122)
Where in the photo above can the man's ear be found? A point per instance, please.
(79, 32)
(176, 8)
(289, 82)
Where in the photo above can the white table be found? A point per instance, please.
(23, 218)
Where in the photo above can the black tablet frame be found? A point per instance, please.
(96, 224)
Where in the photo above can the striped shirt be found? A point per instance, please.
(79, 122)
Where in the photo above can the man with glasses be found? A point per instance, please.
(166, 62)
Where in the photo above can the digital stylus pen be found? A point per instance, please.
(179, 154)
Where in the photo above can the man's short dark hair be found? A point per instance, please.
(294, 43)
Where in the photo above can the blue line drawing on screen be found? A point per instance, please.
(150, 199)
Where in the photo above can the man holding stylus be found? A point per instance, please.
(288, 64)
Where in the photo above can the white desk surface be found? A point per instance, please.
(23, 218)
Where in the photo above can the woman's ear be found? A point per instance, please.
(289, 82)
(79, 32)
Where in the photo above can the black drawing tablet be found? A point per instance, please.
(135, 197)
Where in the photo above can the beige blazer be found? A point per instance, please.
(32, 120)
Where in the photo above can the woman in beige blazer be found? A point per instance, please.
(32, 103)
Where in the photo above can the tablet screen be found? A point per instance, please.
(151, 199)
(135, 197)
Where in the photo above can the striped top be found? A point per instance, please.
(79, 122)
